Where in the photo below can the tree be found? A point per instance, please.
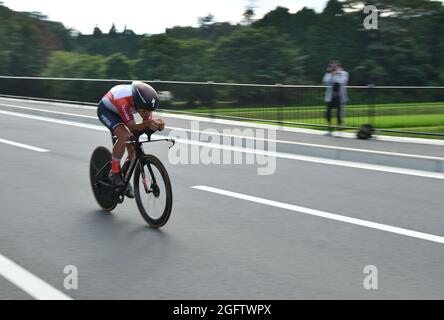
(73, 65)
(128, 32)
(37, 15)
(157, 57)
(193, 60)
(206, 21)
(279, 18)
(113, 31)
(97, 32)
(117, 66)
(281, 47)
(248, 16)
(333, 8)
(263, 56)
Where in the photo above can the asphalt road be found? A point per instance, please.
(216, 246)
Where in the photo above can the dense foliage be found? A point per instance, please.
(282, 47)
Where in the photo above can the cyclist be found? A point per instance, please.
(116, 111)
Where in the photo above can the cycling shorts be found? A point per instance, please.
(110, 119)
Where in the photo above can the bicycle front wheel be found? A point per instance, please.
(152, 188)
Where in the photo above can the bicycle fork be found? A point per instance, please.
(145, 182)
(148, 189)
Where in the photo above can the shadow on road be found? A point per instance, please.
(122, 227)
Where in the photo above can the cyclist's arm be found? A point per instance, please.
(125, 113)
(147, 124)
(148, 116)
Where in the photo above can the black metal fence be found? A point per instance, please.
(407, 110)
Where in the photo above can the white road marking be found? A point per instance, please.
(49, 111)
(341, 163)
(28, 282)
(300, 130)
(255, 125)
(406, 155)
(349, 164)
(24, 146)
(53, 103)
(58, 121)
(327, 215)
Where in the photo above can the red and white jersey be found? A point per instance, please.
(120, 101)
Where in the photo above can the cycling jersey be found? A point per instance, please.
(119, 100)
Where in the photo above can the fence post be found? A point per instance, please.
(371, 108)
(280, 102)
(210, 100)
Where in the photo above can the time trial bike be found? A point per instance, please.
(152, 186)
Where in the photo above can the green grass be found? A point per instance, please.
(387, 122)
(416, 117)
(427, 106)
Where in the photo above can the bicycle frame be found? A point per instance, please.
(155, 204)
(138, 155)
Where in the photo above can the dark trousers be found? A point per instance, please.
(335, 103)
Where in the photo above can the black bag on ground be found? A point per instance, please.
(365, 131)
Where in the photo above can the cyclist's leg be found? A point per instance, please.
(131, 151)
(108, 118)
(123, 135)
(115, 124)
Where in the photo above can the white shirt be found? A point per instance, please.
(330, 79)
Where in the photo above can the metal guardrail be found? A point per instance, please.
(216, 83)
(396, 109)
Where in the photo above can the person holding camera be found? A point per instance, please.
(336, 80)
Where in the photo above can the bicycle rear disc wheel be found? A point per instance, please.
(154, 206)
(104, 192)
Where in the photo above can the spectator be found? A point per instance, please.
(336, 80)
